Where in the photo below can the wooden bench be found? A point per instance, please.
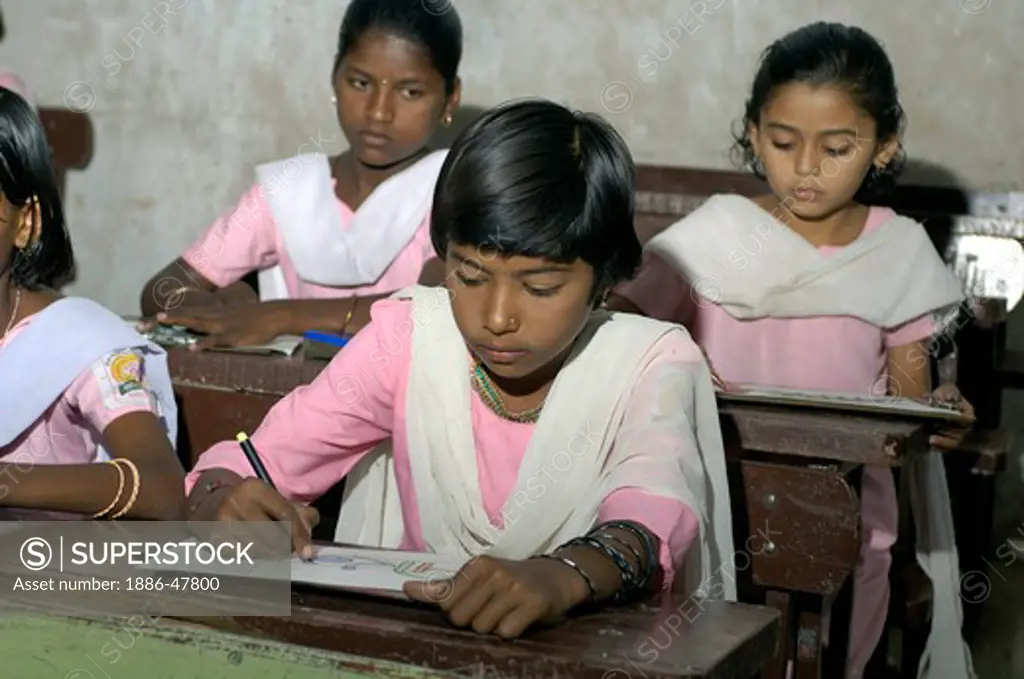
(70, 136)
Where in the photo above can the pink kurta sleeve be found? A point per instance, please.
(316, 434)
(241, 241)
(659, 291)
(111, 387)
(658, 441)
(916, 330)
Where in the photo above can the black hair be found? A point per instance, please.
(432, 24)
(26, 175)
(535, 179)
(821, 54)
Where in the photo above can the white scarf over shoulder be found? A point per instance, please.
(741, 257)
(737, 255)
(577, 454)
(300, 193)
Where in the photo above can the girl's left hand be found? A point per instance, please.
(236, 325)
(949, 439)
(504, 597)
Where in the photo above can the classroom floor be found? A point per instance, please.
(999, 651)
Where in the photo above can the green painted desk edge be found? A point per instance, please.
(100, 647)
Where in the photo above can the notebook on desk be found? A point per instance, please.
(285, 345)
(840, 402)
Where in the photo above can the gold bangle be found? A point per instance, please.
(120, 490)
(135, 487)
(349, 315)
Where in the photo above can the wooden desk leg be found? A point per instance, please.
(808, 646)
(777, 666)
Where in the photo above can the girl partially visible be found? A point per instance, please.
(570, 455)
(813, 286)
(331, 235)
(88, 417)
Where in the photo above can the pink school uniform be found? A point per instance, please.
(826, 353)
(317, 434)
(308, 244)
(60, 406)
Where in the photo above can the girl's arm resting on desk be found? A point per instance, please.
(255, 324)
(138, 436)
(179, 286)
(506, 597)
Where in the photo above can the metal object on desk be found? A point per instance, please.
(170, 335)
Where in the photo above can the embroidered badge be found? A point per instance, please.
(125, 371)
(121, 380)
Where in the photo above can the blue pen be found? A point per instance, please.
(334, 340)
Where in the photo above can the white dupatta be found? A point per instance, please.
(741, 257)
(738, 255)
(576, 454)
(300, 193)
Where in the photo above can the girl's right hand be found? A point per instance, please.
(254, 500)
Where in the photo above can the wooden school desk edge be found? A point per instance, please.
(82, 645)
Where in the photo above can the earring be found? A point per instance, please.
(334, 100)
(447, 121)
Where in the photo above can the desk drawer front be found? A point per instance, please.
(804, 526)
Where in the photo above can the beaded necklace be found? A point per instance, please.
(488, 393)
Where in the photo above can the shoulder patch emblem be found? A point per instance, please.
(124, 369)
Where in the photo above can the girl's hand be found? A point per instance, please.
(949, 439)
(236, 325)
(504, 597)
(253, 500)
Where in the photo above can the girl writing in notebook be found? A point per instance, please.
(568, 454)
(330, 236)
(813, 286)
(87, 416)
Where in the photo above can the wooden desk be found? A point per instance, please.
(341, 635)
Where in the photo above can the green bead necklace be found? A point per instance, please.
(488, 393)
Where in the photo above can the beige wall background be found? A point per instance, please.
(187, 95)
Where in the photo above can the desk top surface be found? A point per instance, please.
(676, 638)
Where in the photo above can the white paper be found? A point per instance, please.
(283, 344)
(371, 569)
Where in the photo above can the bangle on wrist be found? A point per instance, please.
(576, 567)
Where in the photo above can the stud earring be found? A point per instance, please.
(334, 100)
(447, 121)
